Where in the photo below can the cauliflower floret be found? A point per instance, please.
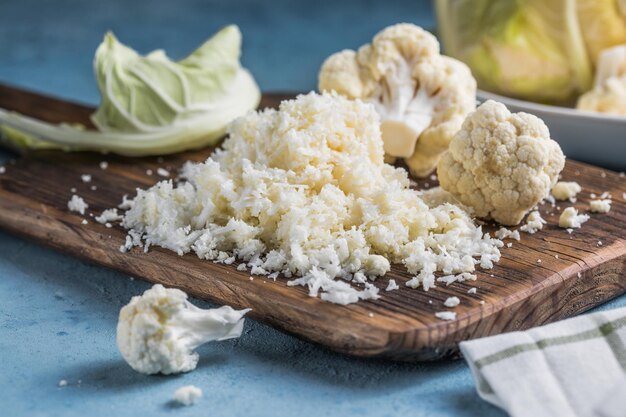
(421, 96)
(570, 219)
(600, 206)
(609, 92)
(534, 223)
(566, 190)
(501, 164)
(158, 331)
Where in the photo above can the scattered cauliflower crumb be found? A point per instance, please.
(73, 189)
(392, 285)
(449, 279)
(84, 221)
(481, 302)
(62, 383)
(446, 315)
(534, 223)
(370, 315)
(187, 395)
(421, 96)
(571, 219)
(452, 302)
(158, 331)
(148, 172)
(77, 204)
(304, 191)
(501, 164)
(566, 190)
(599, 243)
(104, 165)
(472, 290)
(504, 233)
(3, 170)
(163, 172)
(93, 188)
(109, 215)
(600, 206)
(85, 178)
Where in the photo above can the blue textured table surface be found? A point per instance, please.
(58, 315)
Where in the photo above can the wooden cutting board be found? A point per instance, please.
(576, 272)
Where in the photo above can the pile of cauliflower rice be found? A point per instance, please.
(303, 191)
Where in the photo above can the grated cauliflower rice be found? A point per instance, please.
(304, 191)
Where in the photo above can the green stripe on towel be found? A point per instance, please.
(606, 330)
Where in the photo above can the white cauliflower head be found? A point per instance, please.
(609, 92)
(501, 164)
(421, 96)
(158, 331)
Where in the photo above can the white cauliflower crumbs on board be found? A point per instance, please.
(158, 331)
(600, 206)
(163, 172)
(566, 190)
(534, 223)
(304, 191)
(109, 215)
(148, 172)
(392, 285)
(77, 204)
(472, 290)
(421, 96)
(104, 165)
(85, 178)
(501, 164)
(504, 233)
(187, 395)
(84, 221)
(570, 219)
(62, 383)
(452, 302)
(93, 188)
(73, 189)
(446, 315)
(3, 170)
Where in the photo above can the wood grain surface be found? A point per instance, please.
(576, 272)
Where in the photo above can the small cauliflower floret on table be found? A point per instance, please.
(609, 91)
(158, 331)
(570, 219)
(501, 164)
(600, 206)
(566, 190)
(421, 96)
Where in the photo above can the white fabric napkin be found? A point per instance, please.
(575, 367)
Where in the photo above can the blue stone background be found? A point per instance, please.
(58, 314)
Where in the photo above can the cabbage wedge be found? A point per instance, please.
(540, 50)
(151, 105)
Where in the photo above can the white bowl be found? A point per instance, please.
(596, 138)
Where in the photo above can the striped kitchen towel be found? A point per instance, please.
(575, 367)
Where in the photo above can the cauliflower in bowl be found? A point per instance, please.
(609, 92)
(421, 96)
(501, 164)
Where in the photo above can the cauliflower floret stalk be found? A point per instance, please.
(501, 164)
(421, 96)
(158, 331)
